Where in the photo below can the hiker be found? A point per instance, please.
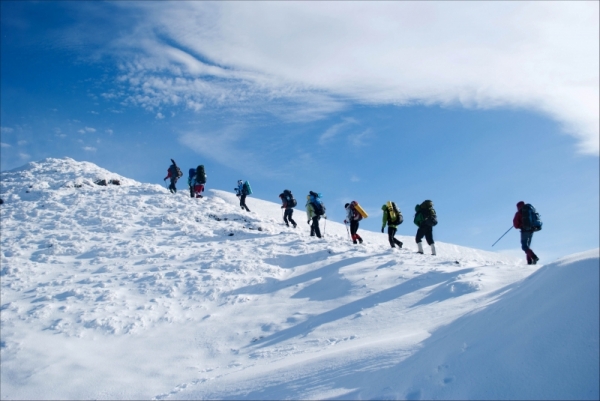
(173, 173)
(520, 221)
(393, 218)
(288, 203)
(191, 177)
(314, 210)
(353, 217)
(425, 219)
(199, 181)
(241, 192)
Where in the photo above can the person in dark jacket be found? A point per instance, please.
(392, 228)
(286, 199)
(353, 217)
(526, 235)
(425, 219)
(173, 172)
(241, 192)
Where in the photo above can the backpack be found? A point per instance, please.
(394, 215)
(247, 188)
(191, 175)
(289, 199)
(530, 219)
(200, 175)
(426, 206)
(175, 171)
(317, 203)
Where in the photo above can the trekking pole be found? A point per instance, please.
(502, 236)
(346, 224)
(324, 227)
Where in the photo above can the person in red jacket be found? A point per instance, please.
(526, 236)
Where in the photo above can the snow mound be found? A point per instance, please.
(128, 291)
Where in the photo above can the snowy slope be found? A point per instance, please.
(131, 292)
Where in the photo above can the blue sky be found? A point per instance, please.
(473, 105)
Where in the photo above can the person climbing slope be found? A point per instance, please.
(191, 176)
(199, 181)
(353, 217)
(243, 190)
(314, 210)
(174, 173)
(393, 218)
(288, 203)
(528, 221)
(425, 219)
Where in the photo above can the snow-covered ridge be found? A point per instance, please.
(195, 298)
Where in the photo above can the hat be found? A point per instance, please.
(520, 204)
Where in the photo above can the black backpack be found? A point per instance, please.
(290, 201)
(429, 213)
(317, 203)
(200, 175)
(530, 219)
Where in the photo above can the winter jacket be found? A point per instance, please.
(310, 211)
(241, 190)
(518, 219)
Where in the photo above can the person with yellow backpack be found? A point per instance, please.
(393, 218)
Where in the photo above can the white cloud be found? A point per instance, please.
(81, 131)
(89, 129)
(160, 116)
(94, 112)
(360, 140)
(109, 131)
(24, 156)
(21, 143)
(6, 130)
(334, 130)
(303, 60)
(89, 148)
(4, 145)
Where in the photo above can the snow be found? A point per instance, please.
(130, 292)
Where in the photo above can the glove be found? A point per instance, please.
(345, 222)
(164, 179)
(381, 229)
(308, 222)
(282, 207)
(325, 216)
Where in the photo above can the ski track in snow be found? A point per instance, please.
(131, 292)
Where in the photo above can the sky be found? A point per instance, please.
(475, 106)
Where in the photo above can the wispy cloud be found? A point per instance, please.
(359, 140)
(24, 156)
(4, 145)
(89, 148)
(334, 130)
(6, 130)
(539, 56)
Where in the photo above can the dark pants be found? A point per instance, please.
(314, 227)
(426, 231)
(526, 237)
(287, 217)
(353, 230)
(393, 241)
(243, 202)
(172, 187)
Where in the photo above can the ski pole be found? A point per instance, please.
(324, 227)
(346, 224)
(502, 236)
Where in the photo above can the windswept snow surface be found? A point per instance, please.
(130, 292)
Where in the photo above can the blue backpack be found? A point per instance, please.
(317, 203)
(192, 174)
(247, 188)
(531, 220)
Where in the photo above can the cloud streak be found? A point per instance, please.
(303, 60)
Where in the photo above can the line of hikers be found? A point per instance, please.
(526, 219)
